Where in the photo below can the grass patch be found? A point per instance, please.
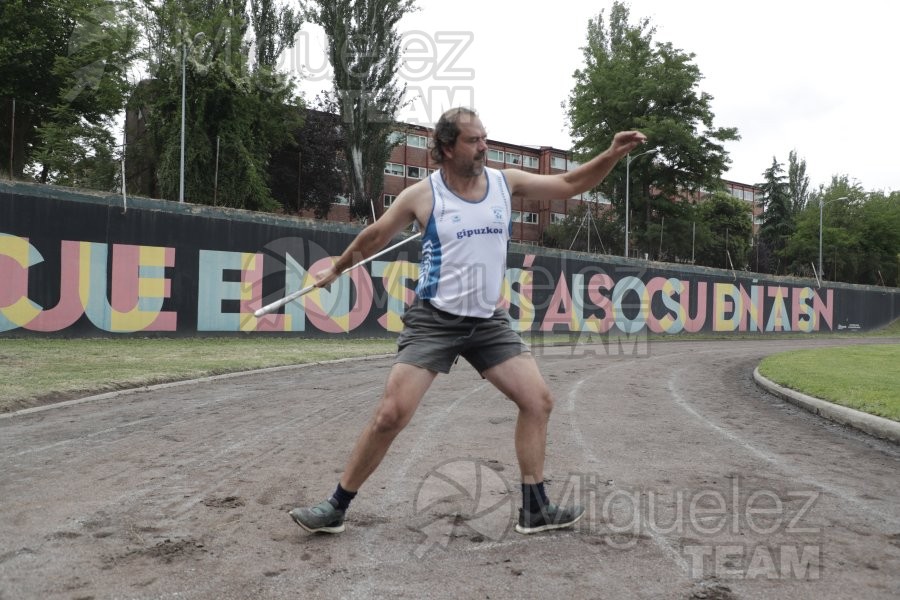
(41, 370)
(557, 338)
(892, 330)
(866, 378)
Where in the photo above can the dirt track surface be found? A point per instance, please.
(697, 485)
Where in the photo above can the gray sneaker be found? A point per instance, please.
(550, 517)
(323, 517)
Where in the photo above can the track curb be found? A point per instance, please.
(871, 424)
(181, 382)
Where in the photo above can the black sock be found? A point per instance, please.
(341, 498)
(534, 497)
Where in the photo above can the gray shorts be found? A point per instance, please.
(434, 339)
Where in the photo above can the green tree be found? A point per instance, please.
(587, 228)
(308, 173)
(778, 216)
(672, 237)
(798, 182)
(880, 240)
(63, 64)
(629, 81)
(860, 235)
(364, 51)
(274, 28)
(725, 228)
(237, 113)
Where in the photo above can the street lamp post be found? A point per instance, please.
(821, 207)
(183, 94)
(628, 160)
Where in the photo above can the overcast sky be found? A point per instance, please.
(817, 77)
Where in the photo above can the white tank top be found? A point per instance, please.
(464, 248)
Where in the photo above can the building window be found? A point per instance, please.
(513, 159)
(394, 169)
(495, 155)
(528, 217)
(557, 218)
(389, 199)
(572, 165)
(530, 162)
(558, 162)
(416, 141)
(415, 172)
(395, 138)
(341, 200)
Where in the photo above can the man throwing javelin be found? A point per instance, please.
(464, 211)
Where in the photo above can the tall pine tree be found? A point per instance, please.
(798, 182)
(778, 216)
(364, 51)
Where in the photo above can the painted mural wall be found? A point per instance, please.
(73, 264)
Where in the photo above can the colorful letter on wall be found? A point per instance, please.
(517, 291)
(726, 301)
(598, 283)
(139, 287)
(16, 256)
(394, 276)
(625, 323)
(138, 291)
(779, 317)
(329, 310)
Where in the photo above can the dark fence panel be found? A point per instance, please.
(84, 265)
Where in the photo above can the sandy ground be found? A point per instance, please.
(697, 485)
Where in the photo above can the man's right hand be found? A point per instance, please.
(325, 277)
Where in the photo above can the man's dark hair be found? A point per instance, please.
(447, 130)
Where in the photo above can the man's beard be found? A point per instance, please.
(476, 167)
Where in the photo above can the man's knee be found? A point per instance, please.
(546, 401)
(539, 402)
(390, 417)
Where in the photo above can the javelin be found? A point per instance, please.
(293, 296)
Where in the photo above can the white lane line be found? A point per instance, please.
(363, 587)
(185, 382)
(82, 438)
(427, 437)
(789, 471)
(729, 435)
(661, 542)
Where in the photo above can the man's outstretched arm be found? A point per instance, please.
(404, 210)
(578, 181)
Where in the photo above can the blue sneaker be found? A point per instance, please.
(549, 517)
(323, 517)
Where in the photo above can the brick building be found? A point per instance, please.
(410, 161)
